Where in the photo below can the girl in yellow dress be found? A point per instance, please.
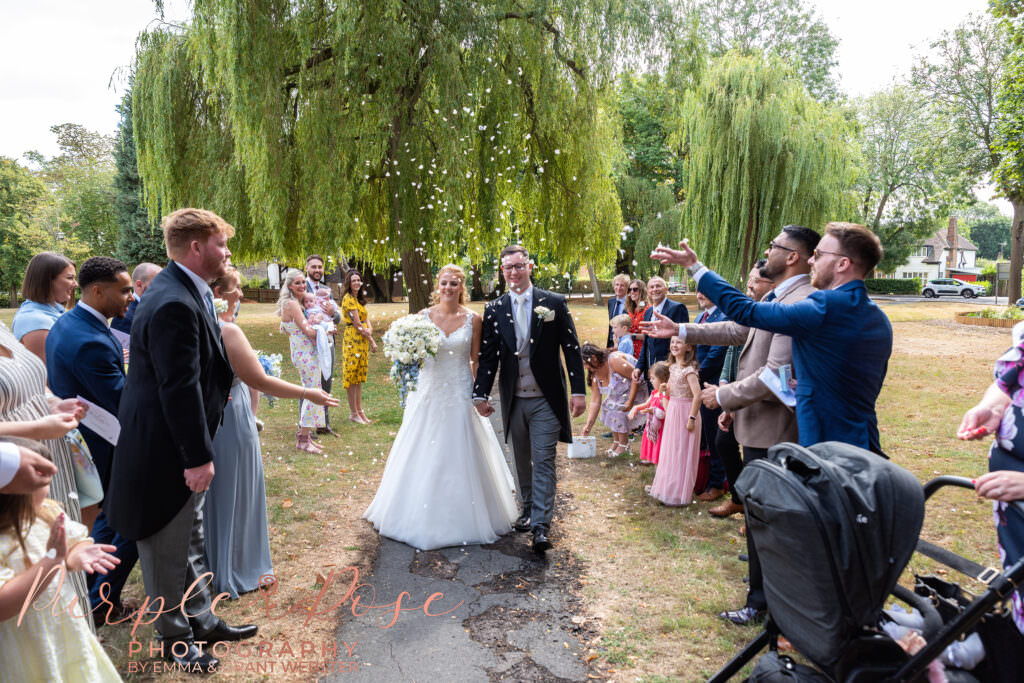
(48, 644)
(356, 344)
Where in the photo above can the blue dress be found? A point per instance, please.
(32, 316)
(235, 511)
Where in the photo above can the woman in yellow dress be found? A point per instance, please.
(356, 344)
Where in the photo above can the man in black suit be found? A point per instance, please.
(656, 349)
(173, 401)
(617, 303)
(523, 332)
(141, 277)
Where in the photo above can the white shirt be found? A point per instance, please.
(200, 283)
(781, 288)
(659, 307)
(97, 314)
(10, 460)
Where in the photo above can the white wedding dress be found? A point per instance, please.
(446, 481)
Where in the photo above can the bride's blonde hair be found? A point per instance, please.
(450, 269)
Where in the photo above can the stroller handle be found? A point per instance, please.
(959, 482)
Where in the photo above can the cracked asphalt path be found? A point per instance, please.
(520, 618)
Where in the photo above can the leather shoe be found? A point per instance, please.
(192, 661)
(541, 543)
(744, 616)
(223, 632)
(711, 494)
(327, 430)
(522, 523)
(726, 509)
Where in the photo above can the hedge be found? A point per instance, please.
(887, 286)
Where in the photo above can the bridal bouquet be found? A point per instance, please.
(271, 363)
(408, 342)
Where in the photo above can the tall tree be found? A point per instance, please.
(961, 75)
(139, 238)
(911, 176)
(80, 180)
(986, 226)
(394, 131)
(1009, 143)
(761, 154)
(22, 197)
(650, 183)
(788, 29)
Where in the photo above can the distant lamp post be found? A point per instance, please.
(60, 241)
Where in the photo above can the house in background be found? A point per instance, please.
(946, 254)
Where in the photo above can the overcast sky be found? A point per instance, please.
(59, 58)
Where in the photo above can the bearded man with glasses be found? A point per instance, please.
(841, 340)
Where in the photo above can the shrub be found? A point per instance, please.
(1009, 313)
(888, 286)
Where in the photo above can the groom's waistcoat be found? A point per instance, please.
(526, 383)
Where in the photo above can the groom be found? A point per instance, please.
(522, 332)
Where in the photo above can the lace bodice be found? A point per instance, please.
(448, 373)
(677, 386)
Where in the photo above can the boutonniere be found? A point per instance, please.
(220, 306)
(544, 313)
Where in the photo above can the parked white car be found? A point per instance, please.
(940, 286)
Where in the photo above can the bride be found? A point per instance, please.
(446, 481)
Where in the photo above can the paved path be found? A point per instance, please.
(516, 621)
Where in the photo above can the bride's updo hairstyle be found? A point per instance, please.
(451, 270)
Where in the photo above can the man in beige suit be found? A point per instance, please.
(760, 420)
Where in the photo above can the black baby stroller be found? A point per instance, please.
(834, 526)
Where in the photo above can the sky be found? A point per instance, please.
(63, 61)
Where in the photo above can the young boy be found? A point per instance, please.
(622, 340)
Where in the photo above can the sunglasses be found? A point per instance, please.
(634, 289)
(818, 252)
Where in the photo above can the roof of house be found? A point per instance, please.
(938, 241)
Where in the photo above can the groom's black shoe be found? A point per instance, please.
(222, 632)
(541, 543)
(190, 660)
(522, 523)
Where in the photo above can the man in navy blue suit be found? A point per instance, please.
(841, 340)
(617, 303)
(84, 359)
(141, 276)
(710, 359)
(656, 348)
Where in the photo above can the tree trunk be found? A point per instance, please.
(1016, 247)
(594, 284)
(418, 280)
(476, 293)
(378, 283)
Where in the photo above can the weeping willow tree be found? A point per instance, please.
(761, 153)
(402, 132)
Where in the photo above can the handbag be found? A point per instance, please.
(87, 477)
(583, 447)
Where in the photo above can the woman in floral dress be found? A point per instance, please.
(302, 337)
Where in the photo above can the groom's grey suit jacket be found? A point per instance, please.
(498, 350)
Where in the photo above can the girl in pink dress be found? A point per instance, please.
(680, 437)
(654, 408)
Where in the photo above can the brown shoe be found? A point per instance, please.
(710, 495)
(726, 509)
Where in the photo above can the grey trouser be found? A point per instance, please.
(171, 560)
(534, 429)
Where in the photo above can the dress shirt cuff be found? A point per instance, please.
(682, 332)
(697, 271)
(575, 395)
(480, 399)
(718, 397)
(10, 461)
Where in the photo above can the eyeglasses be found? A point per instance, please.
(634, 289)
(818, 252)
(774, 245)
(519, 267)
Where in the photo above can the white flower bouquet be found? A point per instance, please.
(407, 343)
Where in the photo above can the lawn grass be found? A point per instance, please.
(653, 577)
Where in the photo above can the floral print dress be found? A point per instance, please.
(305, 360)
(1007, 453)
